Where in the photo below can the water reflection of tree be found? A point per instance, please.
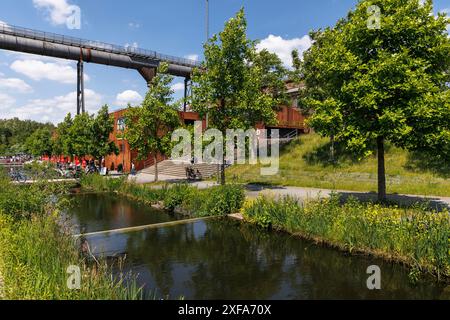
(97, 212)
(239, 261)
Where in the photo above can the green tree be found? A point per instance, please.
(296, 64)
(148, 127)
(229, 87)
(40, 143)
(371, 85)
(14, 132)
(273, 75)
(62, 144)
(102, 127)
(80, 137)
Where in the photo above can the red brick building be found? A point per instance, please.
(290, 120)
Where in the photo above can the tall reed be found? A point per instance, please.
(416, 236)
(35, 250)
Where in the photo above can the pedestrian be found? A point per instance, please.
(133, 169)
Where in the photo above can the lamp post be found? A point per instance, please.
(207, 20)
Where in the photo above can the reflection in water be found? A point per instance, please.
(99, 212)
(223, 259)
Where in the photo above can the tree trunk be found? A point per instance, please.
(155, 159)
(222, 171)
(381, 170)
(222, 165)
(332, 148)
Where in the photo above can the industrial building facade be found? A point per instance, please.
(290, 121)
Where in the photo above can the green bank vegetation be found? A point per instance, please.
(180, 198)
(36, 250)
(415, 236)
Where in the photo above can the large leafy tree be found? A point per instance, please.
(273, 75)
(102, 127)
(14, 132)
(40, 142)
(148, 126)
(62, 144)
(85, 135)
(236, 87)
(372, 85)
(80, 135)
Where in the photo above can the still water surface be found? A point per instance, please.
(224, 259)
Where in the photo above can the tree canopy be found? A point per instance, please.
(148, 126)
(85, 135)
(14, 132)
(237, 86)
(369, 85)
(40, 142)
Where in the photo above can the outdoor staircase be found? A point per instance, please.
(178, 169)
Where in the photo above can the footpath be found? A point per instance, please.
(255, 190)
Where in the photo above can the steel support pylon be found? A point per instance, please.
(80, 88)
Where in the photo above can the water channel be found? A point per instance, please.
(226, 259)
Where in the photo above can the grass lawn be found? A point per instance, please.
(305, 162)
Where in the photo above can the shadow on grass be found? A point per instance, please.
(422, 161)
(259, 186)
(404, 201)
(321, 155)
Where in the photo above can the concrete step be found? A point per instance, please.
(178, 169)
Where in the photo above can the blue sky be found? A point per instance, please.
(43, 89)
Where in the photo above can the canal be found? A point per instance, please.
(225, 259)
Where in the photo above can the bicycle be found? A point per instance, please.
(18, 177)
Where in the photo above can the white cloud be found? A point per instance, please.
(192, 57)
(38, 70)
(283, 47)
(134, 25)
(15, 84)
(177, 87)
(134, 45)
(53, 109)
(58, 11)
(4, 26)
(128, 97)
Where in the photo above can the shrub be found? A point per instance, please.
(98, 183)
(221, 200)
(176, 195)
(22, 201)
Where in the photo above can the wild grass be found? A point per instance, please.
(35, 250)
(306, 162)
(415, 236)
(35, 255)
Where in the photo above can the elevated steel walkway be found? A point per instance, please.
(25, 40)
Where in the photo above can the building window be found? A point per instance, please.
(121, 124)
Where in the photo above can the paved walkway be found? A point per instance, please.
(142, 178)
(254, 190)
(48, 181)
